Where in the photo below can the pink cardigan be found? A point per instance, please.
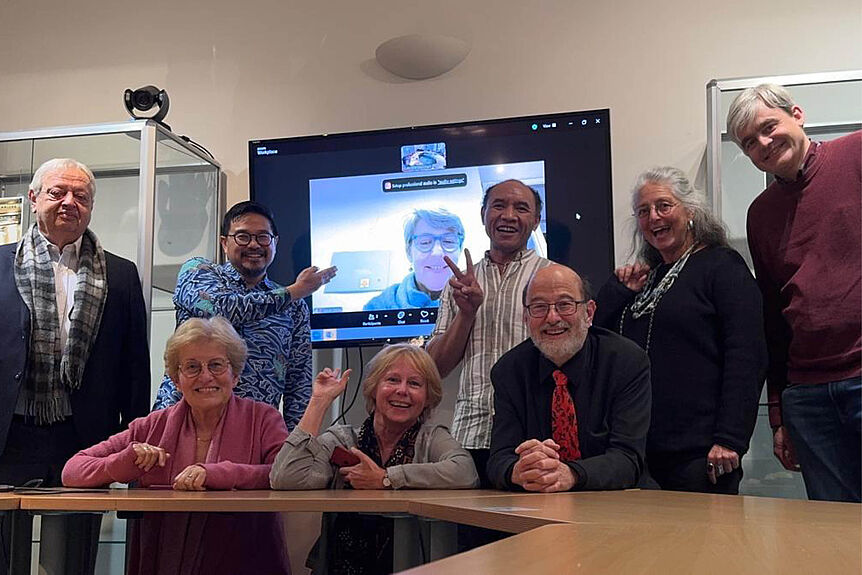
(242, 450)
(238, 459)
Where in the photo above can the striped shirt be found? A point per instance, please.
(499, 326)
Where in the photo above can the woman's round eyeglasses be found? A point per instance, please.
(193, 367)
(661, 208)
(450, 242)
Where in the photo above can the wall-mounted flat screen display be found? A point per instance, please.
(386, 206)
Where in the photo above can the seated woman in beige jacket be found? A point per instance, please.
(393, 449)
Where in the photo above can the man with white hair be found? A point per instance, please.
(572, 403)
(805, 238)
(74, 364)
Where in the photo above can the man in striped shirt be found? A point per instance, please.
(480, 312)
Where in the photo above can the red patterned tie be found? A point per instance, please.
(564, 419)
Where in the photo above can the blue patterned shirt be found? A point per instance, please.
(275, 328)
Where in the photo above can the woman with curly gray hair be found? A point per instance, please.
(690, 301)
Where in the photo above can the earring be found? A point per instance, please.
(690, 224)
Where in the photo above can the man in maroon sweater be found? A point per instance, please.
(805, 237)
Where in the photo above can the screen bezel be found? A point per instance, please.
(300, 255)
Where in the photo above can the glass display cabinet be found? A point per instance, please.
(158, 202)
(831, 102)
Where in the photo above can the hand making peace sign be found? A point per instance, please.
(466, 291)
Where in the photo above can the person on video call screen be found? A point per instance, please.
(428, 236)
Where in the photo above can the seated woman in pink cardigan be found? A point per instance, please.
(209, 440)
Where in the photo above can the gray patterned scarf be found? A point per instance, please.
(648, 298)
(46, 389)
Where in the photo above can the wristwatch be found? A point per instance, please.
(386, 483)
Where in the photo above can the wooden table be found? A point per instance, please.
(8, 501)
(518, 512)
(751, 548)
(615, 531)
(347, 500)
(164, 500)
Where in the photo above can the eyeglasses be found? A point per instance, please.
(450, 242)
(59, 194)
(661, 208)
(193, 368)
(565, 307)
(243, 238)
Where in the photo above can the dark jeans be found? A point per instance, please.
(674, 472)
(825, 426)
(40, 452)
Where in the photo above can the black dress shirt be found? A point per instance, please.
(610, 384)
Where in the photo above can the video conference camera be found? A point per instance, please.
(143, 100)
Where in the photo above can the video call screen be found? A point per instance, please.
(386, 206)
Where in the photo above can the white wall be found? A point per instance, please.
(272, 68)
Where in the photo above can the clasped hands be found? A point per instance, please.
(192, 478)
(540, 469)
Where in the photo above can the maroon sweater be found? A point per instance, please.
(805, 238)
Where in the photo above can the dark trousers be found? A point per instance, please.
(40, 452)
(825, 426)
(675, 472)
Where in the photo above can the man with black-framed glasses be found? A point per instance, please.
(571, 403)
(273, 320)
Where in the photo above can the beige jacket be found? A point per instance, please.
(440, 462)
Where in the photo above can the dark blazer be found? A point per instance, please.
(610, 385)
(116, 383)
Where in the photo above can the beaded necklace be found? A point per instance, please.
(647, 300)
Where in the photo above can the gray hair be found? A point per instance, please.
(439, 218)
(706, 228)
(744, 106)
(196, 330)
(57, 165)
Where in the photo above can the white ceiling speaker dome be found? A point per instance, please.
(421, 56)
